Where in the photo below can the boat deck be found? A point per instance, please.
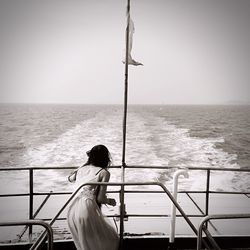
(149, 243)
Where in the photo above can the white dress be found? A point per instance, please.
(89, 229)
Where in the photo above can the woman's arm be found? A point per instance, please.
(72, 175)
(101, 196)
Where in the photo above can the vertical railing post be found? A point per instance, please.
(30, 200)
(207, 191)
(207, 194)
(122, 215)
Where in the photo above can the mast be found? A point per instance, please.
(122, 207)
(126, 88)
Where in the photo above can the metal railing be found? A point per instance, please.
(202, 227)
(31, 194)
(44, 224)
(173, 200)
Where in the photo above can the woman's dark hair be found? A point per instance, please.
(99, 156)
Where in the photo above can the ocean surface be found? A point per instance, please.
(157, 135)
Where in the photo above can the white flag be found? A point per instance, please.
(131, 61)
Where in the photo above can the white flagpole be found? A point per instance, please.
(126, 86)
(122, 207)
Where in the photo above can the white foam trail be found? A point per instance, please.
(70, 147)
(184, 151)
(154, 141)
(151, 140)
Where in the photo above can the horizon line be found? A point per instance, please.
(134, 104)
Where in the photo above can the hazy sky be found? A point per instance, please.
(71, 51)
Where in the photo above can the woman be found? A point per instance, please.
(89, 228)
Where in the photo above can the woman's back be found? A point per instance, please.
(88, 173)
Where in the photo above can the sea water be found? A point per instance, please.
(157, 135)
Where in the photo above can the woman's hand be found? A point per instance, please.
(111, 202)
(72, 177)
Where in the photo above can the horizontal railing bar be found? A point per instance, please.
(225, 192)
(132, 166)
(136, 215)
(127, 191)
(190, 168)
(14, 195)
(184, 192)
(54, 193)
(151, 167)
(162, 215)
(144, 191)
(42, 168)
(48, 219)
(34, 168)
(152, 191)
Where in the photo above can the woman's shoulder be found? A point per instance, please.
(104, 173)
(100, 170)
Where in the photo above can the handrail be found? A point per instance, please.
(41, 237)
(133, 166)
(33, 222)
(178, 173)
(207, 190)
(216, 217)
